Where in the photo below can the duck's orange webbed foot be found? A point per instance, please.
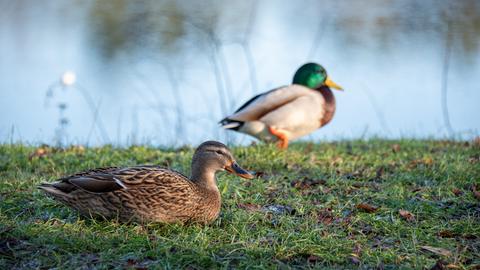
(282, 137)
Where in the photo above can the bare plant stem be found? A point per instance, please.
(93, 109)
(376, 109)
(322, 26)
(158, 105)
(95, 116)
(226, 75)
(245, 44)
(179, 127)
(444, 86)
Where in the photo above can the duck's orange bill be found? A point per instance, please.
(332, 84)
(236, 169)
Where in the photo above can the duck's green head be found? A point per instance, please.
(313, 75)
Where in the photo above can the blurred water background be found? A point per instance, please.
(165, 72)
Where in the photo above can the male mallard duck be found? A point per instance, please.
(288, 112)
(150, 193)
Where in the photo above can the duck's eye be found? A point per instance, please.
(219, 152)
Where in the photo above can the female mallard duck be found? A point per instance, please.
(288, 112)
(150, 193)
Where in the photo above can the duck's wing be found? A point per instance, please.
(297, 117)
(262, 104)
(111, 179)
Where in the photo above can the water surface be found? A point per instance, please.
(165, 72)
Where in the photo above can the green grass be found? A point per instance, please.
(323, 183)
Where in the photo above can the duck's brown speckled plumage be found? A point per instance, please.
(148, 193)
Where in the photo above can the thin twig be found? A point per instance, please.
(91, 105)
(245, 44)
(179, 127)
(376, 108)
(95, 117)
(318, 37)
(444, 87)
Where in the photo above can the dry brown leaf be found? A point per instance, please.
(307, 183)
(78, 149)
(417, 189)
(476, 141)
(313, 259)
(437, 250)
(259, 174)
(249, 206)
(457, 192)
(476, 193)
(396, 148)
(358, 184)
(406, 215)
(39, 152)
(325, 216)
(474, 159)
(447, 234)
(247, 183)
(428, 161)
(336, 161)
(379, 173)
(439, 265)
(308, 148)
(453, 266)
(366, 207)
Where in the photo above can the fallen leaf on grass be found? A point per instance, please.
(247, 183)
(406, 215)
(301, 257)
(447, 234)
(396, 148)
(306, 183)
(366, 207)
(308, 148)
(358, 185)
(438, 251)
(439, 265)
(325, 216)
(474, 159)
(248, 206)
(259, 174)
(428, 161)
(417, 189)
(380, 171)
(78, 149)
(313, 259)
(457, 192)
(39, 152)
(476, 193)
(336, 161)
(476, 141)
(354, 175)
(143, 264)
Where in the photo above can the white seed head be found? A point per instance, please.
(69, 78)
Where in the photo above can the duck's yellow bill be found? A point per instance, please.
(236, 169)
(332, 84)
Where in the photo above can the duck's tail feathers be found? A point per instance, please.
(227, 123)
